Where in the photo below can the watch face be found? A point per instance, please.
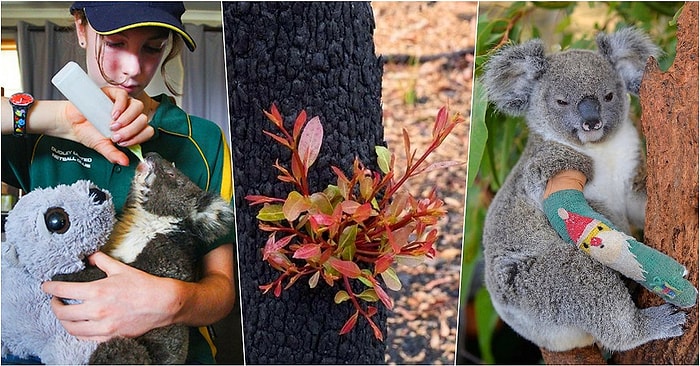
(21, 99)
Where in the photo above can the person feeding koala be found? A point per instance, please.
(555, 242)
(125, 44)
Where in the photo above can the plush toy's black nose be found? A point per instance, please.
(98, 195)
(589, 108)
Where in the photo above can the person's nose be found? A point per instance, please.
(131, 65)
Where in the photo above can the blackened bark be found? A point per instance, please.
(317, 56)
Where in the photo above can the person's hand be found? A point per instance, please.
(127, 303)
(129, 126)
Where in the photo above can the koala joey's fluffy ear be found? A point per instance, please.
(628, 50)
(212, 218)
(511, 74)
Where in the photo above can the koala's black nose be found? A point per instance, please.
(589, 108)
(98, 195)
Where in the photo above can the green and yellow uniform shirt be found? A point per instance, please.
(197, 147)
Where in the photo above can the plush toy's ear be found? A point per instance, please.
(511, 75)
(628, 50)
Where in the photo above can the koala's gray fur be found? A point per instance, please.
(576, 107)
(167, 221)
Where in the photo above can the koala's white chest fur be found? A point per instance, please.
(137, 230)
(616, 162)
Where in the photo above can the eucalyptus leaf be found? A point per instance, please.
(271, 212)
(383, 158)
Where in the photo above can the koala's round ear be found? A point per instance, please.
(628, 50)
(511, 74)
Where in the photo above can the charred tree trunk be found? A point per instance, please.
(670, 123)
(317, 56)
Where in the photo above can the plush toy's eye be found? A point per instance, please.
(609, 97)
(56, 220)
(562, 102)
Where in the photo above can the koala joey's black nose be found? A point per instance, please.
(589, 108)
(98, 195)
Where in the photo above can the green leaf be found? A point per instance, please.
(136, 150)
(341, 296)
(320, 202)
(364, 278)
(313, 280)
(366, 188)
(368, 295)
(383, 158)
(391, 280)
(478, 133)
(409, 260)
(271, 213)
(486, 319)
(475, 209)
(333, 194)
(347, 242)
(294, 205)
(552, 4)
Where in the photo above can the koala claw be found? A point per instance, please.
(665, 321)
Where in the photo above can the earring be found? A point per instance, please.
(82, 44)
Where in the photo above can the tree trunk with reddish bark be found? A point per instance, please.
(670, 124)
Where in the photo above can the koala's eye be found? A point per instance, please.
(609, 97)
(56, 220)
(562, 102)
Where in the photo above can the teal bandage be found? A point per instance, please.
(577, 223)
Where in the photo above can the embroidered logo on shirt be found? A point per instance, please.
(70, 155)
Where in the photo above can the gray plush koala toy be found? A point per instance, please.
(576, 107)
(50, 231)
(167, 222)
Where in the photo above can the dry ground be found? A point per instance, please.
(423, 325)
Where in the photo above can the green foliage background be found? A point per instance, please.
(496, 140)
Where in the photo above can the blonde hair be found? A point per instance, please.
(175, 41)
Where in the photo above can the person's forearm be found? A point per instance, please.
(210, 299)
(567, 179)
(43, 117)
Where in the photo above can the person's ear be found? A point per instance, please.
(81, 31)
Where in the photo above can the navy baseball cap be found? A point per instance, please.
(109, 17)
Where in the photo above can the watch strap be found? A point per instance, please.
(20, 120)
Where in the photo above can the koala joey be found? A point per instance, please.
(167, 221)
(576, 105)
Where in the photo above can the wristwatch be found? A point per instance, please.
(20, 103)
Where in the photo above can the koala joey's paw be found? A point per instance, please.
(665, 321)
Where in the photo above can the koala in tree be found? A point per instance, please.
(558, 295)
